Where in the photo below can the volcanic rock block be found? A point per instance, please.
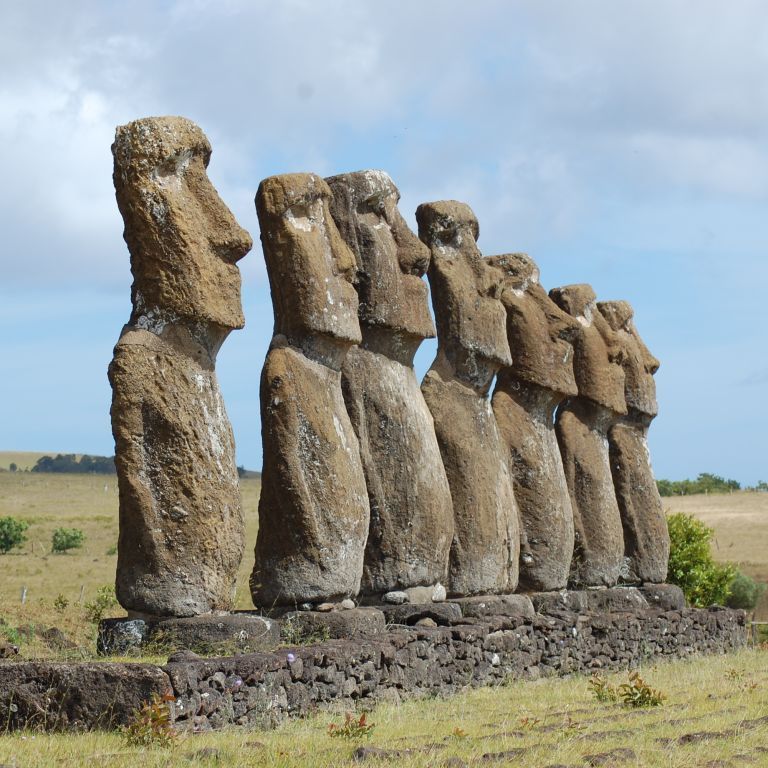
(313, 510)
(524, 401)
(582, 426)
(181, 524)
(472, 345)
(411, 511)
(646, 538)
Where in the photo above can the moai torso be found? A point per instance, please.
(582, 426)
(181, 524)
(313, 509)
(472, 345)
(524, 401)
(646, 538)
(411, 524)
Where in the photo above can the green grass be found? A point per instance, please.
(551, 721)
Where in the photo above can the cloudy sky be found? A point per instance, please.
(620, 144)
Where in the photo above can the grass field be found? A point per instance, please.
(715, 715)
(89, 502)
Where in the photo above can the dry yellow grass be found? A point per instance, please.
(716, 714)
(88, 502)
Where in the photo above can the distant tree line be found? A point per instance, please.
(68, 462)
(704, 483)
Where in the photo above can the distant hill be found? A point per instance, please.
(24, 460)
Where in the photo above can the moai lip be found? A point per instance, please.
(411, 510)
(524, 401)
(646, 538)
(582, 426)
(181, 523)
(313, 509)
(472, 345)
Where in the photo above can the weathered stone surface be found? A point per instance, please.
(564, 599)
(665, 597)
(60, 696)
(410, 613)
(616, 599)
(582, 426)
(342, 624)
(472, 345)
(181, 524)
(524, 401)
(495, 605)
(313, 510)
(411, 512)
(227, 633)
(646, 538)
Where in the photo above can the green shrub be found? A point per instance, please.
(105, 601)
(12, 533)
(691, 566)
(67, 538)
(745, 592)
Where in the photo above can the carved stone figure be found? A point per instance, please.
(582, 426)
(472, 346)
(313, 510)
(411, 512)
(181, 524)
(646, 538)
(524, 401)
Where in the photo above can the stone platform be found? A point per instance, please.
(371, 658)
(249, 631)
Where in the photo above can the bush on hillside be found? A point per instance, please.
(68, 462)
(67, 538)
(745, 592)
(12, 533)
(691, 565)
(704, 483)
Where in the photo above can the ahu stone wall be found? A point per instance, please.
(399, 662)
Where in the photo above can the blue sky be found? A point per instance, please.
(620, 144)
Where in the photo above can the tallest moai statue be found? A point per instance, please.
(181, 523)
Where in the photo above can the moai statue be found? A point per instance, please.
(582, 426)
(524, 401)
(313, 510)
(181, 523)
(411, 512)
(646, 539)
(472, 346)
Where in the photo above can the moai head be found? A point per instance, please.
(539, 332)
(597, 350)
(471, 321)
(311, 269)
(390, 258)
(638, 363)
(184, 242)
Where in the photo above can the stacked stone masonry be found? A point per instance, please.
(399, 663)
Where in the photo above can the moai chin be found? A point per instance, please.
(524, 401)
(313, 510)
(411, 524)
(181, 523)
(472, 346)
(646, 538)
(582, 426)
